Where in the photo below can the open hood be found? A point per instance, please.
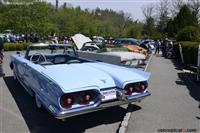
(80, 39)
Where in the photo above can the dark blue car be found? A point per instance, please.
(125, 41)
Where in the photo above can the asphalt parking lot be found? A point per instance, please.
(174, 104)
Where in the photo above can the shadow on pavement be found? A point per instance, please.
(188, 80)
(41, 121)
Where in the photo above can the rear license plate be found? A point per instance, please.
(109, 95)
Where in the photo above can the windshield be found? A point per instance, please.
(51, 50)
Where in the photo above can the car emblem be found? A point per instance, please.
(103, 80)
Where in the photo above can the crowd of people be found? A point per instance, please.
(34, 38)
(166, 46)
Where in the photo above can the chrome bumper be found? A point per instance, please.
(97, 106)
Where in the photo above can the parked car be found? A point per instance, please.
(125, 41)
(67, 85)
(3, 36)
(100, 41)
(89, 46)
(128, 58)
(137, 49)
(84, 43)
(148, 45)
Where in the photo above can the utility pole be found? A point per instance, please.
(56, 4)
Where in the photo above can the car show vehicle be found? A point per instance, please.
(125, 41)
(129, 55)
(148, 45)
(137, 49)
(84, 43)
(67, 85)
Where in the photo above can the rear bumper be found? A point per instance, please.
(97, 106)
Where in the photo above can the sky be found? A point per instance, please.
(134, 7)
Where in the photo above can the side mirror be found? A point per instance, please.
(17, 52)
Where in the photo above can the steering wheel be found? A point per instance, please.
(37, 57)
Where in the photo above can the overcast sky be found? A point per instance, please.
(134, 7)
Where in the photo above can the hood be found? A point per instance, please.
(80, 39)
(77, 77)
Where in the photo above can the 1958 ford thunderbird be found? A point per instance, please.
(67, 85)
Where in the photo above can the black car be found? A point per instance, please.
(125, 41)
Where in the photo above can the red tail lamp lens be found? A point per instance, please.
(142, 87)
(67, 102)
(129, 90)
(87, 98)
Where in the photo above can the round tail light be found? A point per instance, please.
(67, 101)
(142, 87)
(87, 98)
(129, 90)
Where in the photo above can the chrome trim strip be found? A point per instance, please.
(95, 107)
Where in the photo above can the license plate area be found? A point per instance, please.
(109, 95)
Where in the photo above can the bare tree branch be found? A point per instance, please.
(148, 11)
(176, 6)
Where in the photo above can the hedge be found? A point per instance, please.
(189, 33)
(15, 46)
(190, 52)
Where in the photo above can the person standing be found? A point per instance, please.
(164, 47)
(66, 40)
(157, 47)
(1, 57)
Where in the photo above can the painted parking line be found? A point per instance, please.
(124, 123)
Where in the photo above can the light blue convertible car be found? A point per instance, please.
(67, 85)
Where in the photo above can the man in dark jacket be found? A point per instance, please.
(1, 57)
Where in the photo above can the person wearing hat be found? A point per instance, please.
(1, 57)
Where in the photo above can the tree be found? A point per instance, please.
(189, 33)
(134, 30)
(149, 25)
(42, 18)
(148, 11)
(195, 7)
(176, 6)
(163, 15)
(184, 18)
